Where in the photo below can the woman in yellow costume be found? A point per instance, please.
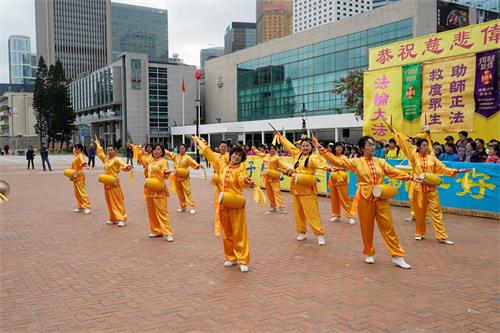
(425, 197)
(233, 220)
(146, 155)
(222, 158)
(338, 186)
(113, 192)
(157, 197)
(370, 172)
(271, 177)
(182, 181)
(305, 196)
(78, 179)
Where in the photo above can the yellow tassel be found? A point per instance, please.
(3, 198)
(466, 182)
(135, 150)
(131, 176)
(173, 187)
(276, 139)
(205, 173)
(258, 196)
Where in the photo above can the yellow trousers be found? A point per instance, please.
(381, 211)
(159, 220)
(184, 193)
(116, 204)
(235, 235)
(306, 210)
(82, 198)
(340, 197)
(432, 208)
(274, 194)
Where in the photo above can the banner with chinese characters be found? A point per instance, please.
(448, 94)
(486, 89)
(382, 102)
(412, 91)
(471, 39)
(483, 190)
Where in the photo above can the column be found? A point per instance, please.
(336, 134)
(262, 137)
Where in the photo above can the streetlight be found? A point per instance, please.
(304, 129)
(197, 128)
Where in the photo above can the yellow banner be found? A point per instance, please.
(382, 101)
(448, 94)
(471, 39)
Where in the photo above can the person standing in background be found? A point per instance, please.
(130, 154)
(30, 156)
(462, 141)
(91, 156)
(44, 153)
(6, 149)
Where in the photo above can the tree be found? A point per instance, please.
(351, 88)
(62, 116)
(40, 100)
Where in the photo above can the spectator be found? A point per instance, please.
(438, 149)
(379, 150)
(354, 152)
(30, 156)
(449, 138)
(386, 149)
(250, 151)
(449, 154)
(130, 154)
(462, 141)
(91, 155)
(6, 149)
(394, 151)
(480, 149)
(493, 156)
(44, 153)
(471, 154)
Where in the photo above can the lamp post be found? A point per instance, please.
(304, 128)
(197, 127)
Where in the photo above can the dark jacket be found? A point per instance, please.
(91, 152)
(44, 152)
(30, 154)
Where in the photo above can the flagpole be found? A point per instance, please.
(183, 120)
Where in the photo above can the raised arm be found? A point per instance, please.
(208, 153)
(394, 173)
(288, 146)
(170, 155)
(258, 152)
(442, 169)
(408, 151)
(123, 166)
(341, 163)
(100, 152)
(192, 163)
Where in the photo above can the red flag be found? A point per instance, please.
(183, 87)
(197, 74)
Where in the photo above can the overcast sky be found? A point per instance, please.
(192, 24)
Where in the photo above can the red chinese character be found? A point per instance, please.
(379, 114)
(432, 45)
(435, 119)
(460, 39)
(381, 99)
(384, 56)
(405, 51)
(491, 34)
(382, 82)
(379, 130)
(457, 117)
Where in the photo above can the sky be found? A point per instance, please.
(193, 24)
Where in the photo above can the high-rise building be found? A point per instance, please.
(274, 19)
(239, 36)
(308, 14)
(78, 33)
(139, 29)
(212, 52)
(22, 63)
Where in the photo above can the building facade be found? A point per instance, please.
(22, 63)
(293, 77)
(17, 120)
(309, 14)
(78, 33)
(484, 5)
(274, 19)
(212, 52)
(139, 29)
(133, 98)
(239, 36)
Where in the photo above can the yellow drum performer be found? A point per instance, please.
(370, 172)
(303, 187)
(182, 162)
(77, 176)
(338, 185)
(272, 176)
(112, 190)
(157, 193)
(425, 197)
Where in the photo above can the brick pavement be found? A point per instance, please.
(65, 272)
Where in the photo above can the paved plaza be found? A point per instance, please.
(66, 272)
